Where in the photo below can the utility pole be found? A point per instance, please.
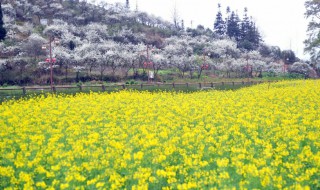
(50, 59)
(148, 62)
(248, 73)
(51, 70)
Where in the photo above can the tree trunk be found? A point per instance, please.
(77, 76)
(191, 74)
(101, 75)
(127, 71)
(199, 73)
(20, 73)
(113, 71)
(90, 71)
(66, 74)
(102, 69)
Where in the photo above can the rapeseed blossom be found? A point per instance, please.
(260, 137)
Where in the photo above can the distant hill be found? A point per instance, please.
(80, 13)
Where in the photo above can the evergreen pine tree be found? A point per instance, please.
(238, 31)
(245, 25)
(233, 30)
(3, 31)
(245, 31)
(228, 10)
(72, 45)
(250, 36)
(127, 4)
(313, 41)
(227, 18)
(182, 24)
(137, 6)
(254, 35)
(219, 24)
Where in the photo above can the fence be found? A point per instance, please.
(9, 93)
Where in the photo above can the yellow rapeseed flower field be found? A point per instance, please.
(261, 137)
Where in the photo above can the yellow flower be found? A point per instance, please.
(40, 169)
(93, 181)
(261, 136)
(99, 184)
(64, 186)
(79, 177)
(223, 162)
(6, 171)
(138, 155)
(140, 187)
(41, 184)
(56, 168)
(25, 177)
(127, 156)
(224, 175)
(152, 179)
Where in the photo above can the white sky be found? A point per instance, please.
(281, 23)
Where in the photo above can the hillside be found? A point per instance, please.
(38, 12)
(110, 42)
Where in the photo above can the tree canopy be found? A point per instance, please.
(243, 31)
(3, 31)
(110, 39)
(312, 44)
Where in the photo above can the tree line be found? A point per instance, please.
(312, 43)
(128, 44)
(3, 31)
(244, 30)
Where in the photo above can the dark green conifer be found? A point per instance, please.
(219, 24)
(3, 31)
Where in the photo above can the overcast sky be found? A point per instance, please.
(281, 23)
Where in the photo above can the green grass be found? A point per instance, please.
(191, 87)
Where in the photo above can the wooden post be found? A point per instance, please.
(173, 85)
(51, 62)
(232, 83)
(54, 90)
(141, 86)
(103, 88)
(123, 86)
(80, 87)
(211, 84)
(24, 90)
(187, 84)
(200, 86)
(222, 83)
